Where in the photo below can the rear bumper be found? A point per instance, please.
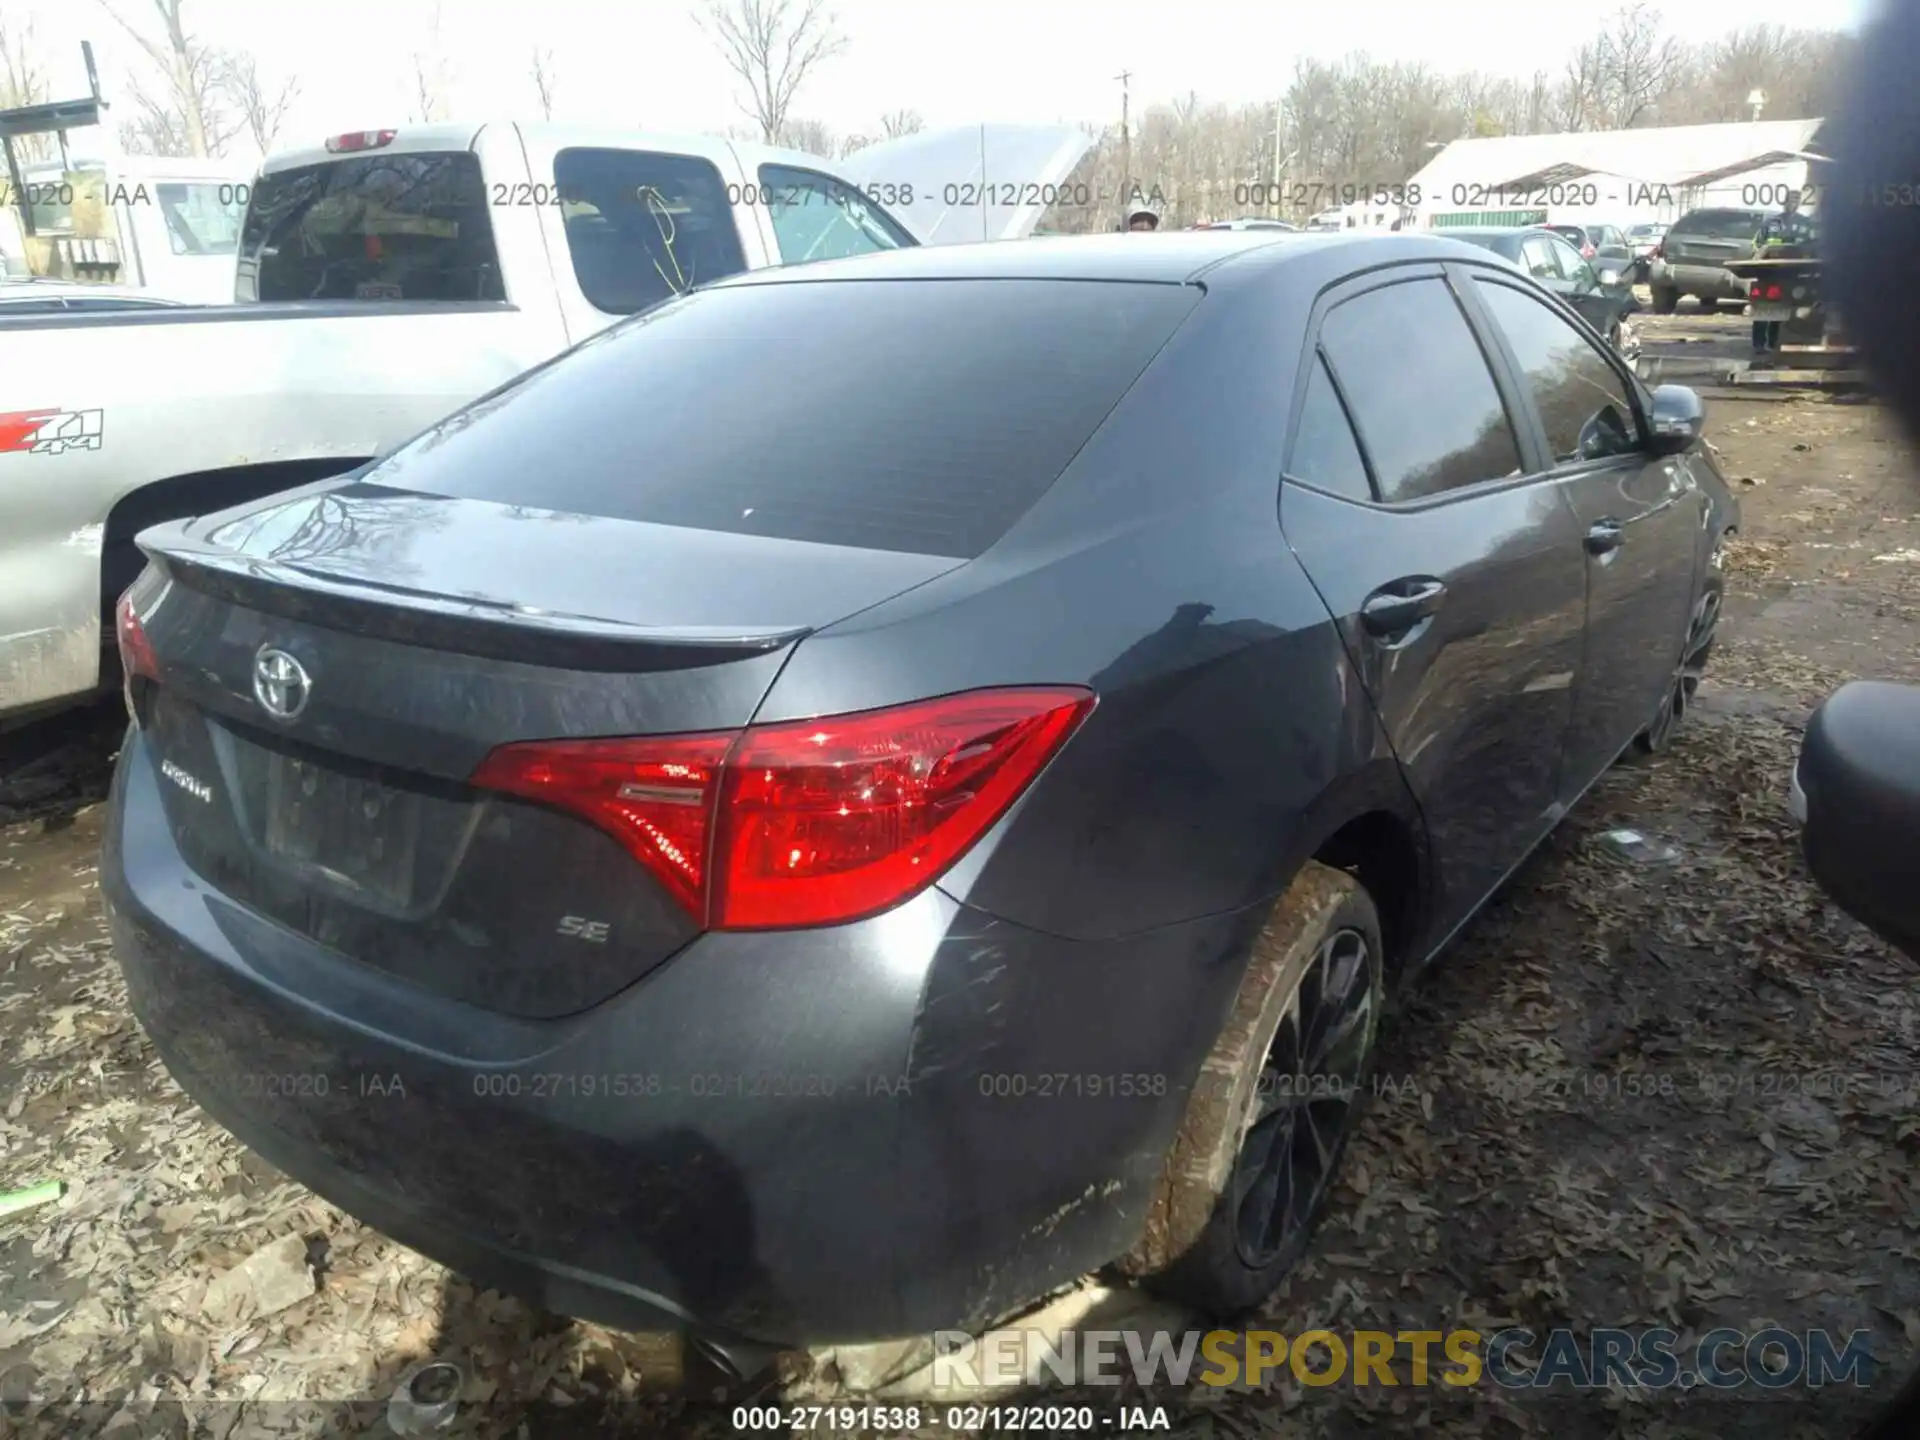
(1708, 281)
(916, 1122)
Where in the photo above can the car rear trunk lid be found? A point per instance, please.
(335, 667)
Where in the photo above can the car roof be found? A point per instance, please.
(1167, 257)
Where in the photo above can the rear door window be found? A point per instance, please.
(643, 227)
(1422, 397)
(923, 416)
(1325, 454)
(1538, 255)
(388, 226)
(816, 217)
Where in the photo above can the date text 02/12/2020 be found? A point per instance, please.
(959, 1419)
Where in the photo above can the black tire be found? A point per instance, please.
(1199, 1246)
(1702, 629)
(1665, 300)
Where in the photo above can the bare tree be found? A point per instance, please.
(545, 82)
(186, 112)
(1640, 66)
(1577, 100)
(901, 122)
(812, 136)
(263, 109)
(772, 46)
(430, 78)
(23, 82)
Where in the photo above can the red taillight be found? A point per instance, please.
(136, 651)
(359, 140)
(810, 822)
(1754, 293)
(653, 796)
(829, 820)
(1773, 292)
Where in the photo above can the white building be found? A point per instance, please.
(1619, 177)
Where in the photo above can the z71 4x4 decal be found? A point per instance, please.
(49, 432)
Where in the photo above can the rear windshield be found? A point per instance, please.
(1719, 224)
(377, 227)
(922, 416)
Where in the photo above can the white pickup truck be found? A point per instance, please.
(388, 278)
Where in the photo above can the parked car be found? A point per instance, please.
(1604, 245)
(1644, 241)
(389, 277)
(1601, 297)
(64, 297)
(1693, 254)
(674, 875)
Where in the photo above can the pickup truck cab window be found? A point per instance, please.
(202, 219)
(400, 226)
(819, 217)
(644, 226)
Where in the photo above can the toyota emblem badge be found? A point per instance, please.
(280, 683)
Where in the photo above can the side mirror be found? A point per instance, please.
(1678, 419)
(1856, 794)
(1609, 278)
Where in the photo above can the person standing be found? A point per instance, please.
(1142, 217)
(1780, 235)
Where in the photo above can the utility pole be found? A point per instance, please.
(1126, 146)
(1279, 111)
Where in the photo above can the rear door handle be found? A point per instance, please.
(1605, 536)
(1397, 607)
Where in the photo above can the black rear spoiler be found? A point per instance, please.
(467, 626)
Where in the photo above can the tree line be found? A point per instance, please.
(1335, 125)
(1357, 123)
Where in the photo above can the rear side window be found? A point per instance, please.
(1421, 394)
(378, 227)
(644, 227)
(922, 416)
(1719, 224)
(1325, 454)
(816, 217)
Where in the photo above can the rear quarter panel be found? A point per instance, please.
(1155, 572)
(1106, 920)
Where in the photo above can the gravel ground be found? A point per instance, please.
(1635, 1093)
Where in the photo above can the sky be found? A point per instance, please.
(646, 63)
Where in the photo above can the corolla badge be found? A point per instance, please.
(280, 683)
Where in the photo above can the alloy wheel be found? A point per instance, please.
(1307, 1090)
(1687, 674)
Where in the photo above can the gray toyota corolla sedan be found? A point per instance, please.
(873, 789)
